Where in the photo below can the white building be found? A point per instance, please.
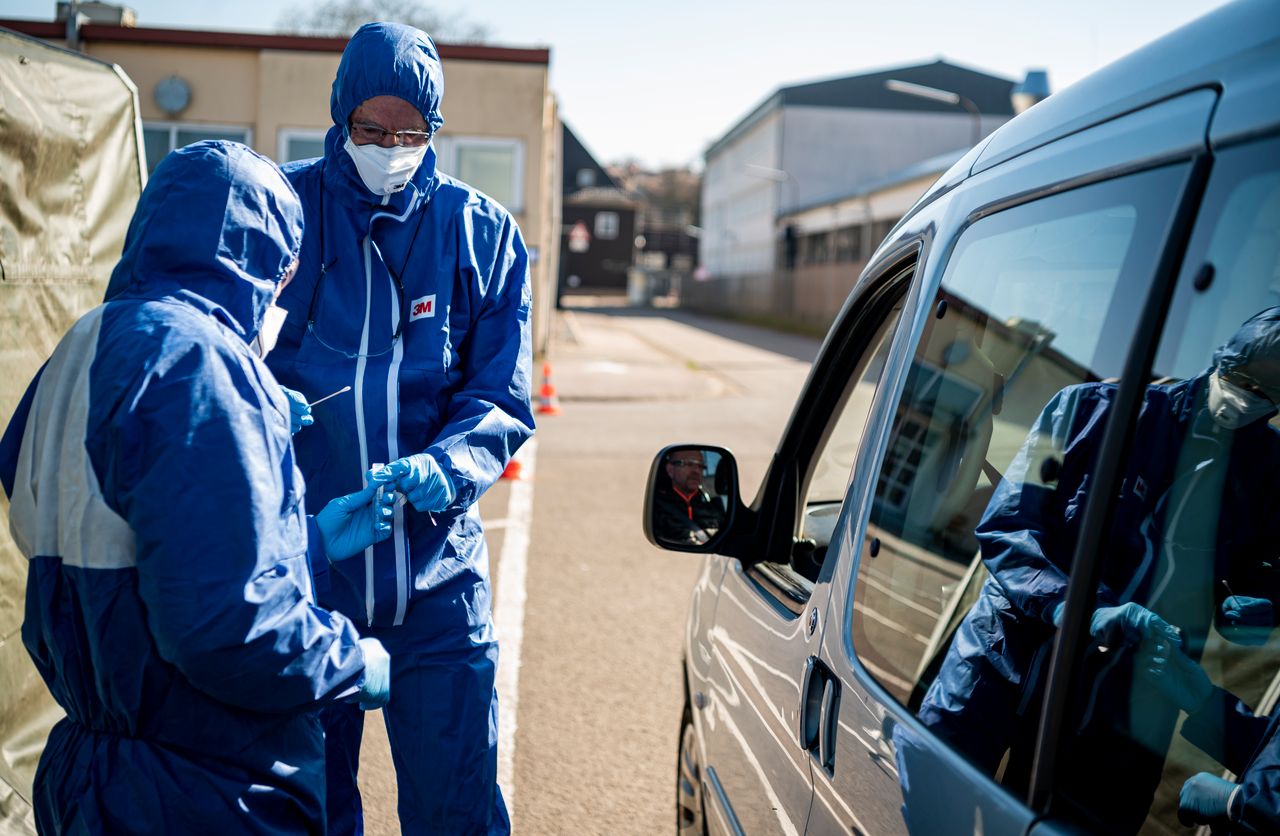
(814, 143)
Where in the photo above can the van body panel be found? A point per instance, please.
(1250, 103)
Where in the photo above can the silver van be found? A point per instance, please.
(1012, 567)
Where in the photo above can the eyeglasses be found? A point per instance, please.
(367, 133)
(688, 463)
(1248, 384)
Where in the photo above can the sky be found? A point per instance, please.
(658, 81)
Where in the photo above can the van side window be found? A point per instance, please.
(1184, 708)
(826, 478)
(1037, 302)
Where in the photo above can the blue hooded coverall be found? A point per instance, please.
(169, 603)
(444, 268)
(1248, 744)
(1180, 527)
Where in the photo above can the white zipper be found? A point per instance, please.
(361, 361)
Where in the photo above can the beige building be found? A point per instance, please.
(501, 131)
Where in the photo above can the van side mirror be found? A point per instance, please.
(691, 498)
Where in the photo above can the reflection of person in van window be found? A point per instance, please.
(1195, 532)
(683, 510)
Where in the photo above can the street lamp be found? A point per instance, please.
(945, 96)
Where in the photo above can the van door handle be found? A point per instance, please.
(828, 724)
(819, 712)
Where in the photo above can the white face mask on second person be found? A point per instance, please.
(1232, 407)
(385, 170)
(272, 322)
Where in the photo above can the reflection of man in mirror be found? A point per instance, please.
(684, 513)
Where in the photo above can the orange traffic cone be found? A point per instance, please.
(512, 471)
(548, 400)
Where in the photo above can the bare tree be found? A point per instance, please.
(341, 18)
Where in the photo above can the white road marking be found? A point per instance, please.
(509, 616)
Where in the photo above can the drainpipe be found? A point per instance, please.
(73, 25)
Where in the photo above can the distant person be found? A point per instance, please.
(1194, 519)
(153, 491)
(413, 289)
(684, 512)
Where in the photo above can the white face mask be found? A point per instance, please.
(272, 322)
(385, 170)
(1232, 407)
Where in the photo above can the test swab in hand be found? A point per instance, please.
(330, 395)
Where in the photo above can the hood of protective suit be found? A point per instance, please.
(383, 59)
(1254, 350)
(217, 227)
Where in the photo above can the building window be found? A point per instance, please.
(849, 244)
(160, 138)
(817, 248)
(300, 144)
(494, 166)
(607, 225)
(586, 177)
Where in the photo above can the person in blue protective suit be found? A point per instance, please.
(153, 490)
(412, 289)
(1193, 520)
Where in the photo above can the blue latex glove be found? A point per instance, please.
(421, 480)
(1204, 799)
(1130, 624)
(352, 523)
(299, 410)
(1176, 674)
(1246, 620)
(375, 687)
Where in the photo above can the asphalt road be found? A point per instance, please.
(592, 611)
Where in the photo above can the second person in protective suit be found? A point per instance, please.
(412, 289)
(169, 604)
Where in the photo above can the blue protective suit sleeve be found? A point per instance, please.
(490, 415)
(1256, 806)
(1245, 743)
(1020, 533)
(1225, 729)
(316, 558)
(203, 473)
(11, 441)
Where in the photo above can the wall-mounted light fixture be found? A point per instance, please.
(173, 95)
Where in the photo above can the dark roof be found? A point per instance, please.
(577, 157)
(989, 93)
(248, 40)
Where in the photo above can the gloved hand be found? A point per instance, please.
(420, 478)
(1204, 799)
(352, 523)
(1130, 624)
(1246, 620)
(375, 688)
(299, 410)
(1176, 675)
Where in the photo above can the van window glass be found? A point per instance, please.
(827, 475)
(1178, 703)
(1034, 300)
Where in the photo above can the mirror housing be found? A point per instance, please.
(691, 498)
